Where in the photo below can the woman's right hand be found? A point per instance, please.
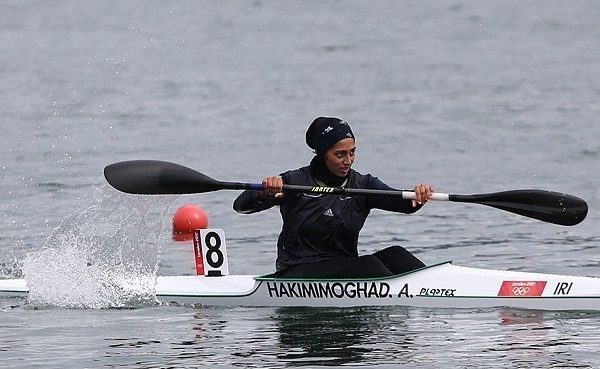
(273, 185)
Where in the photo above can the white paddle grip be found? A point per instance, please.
(437, 196)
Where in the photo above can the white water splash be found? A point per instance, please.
(102, 257)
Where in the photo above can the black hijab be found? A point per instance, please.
(321, 134)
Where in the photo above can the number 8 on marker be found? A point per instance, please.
(214, 251)
(212, 241)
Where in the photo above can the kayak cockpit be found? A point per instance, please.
(272, 277)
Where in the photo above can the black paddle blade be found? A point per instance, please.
(548, 206)
(153, 177)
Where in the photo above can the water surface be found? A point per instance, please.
(471, 97)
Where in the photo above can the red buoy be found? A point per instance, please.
(186, 219)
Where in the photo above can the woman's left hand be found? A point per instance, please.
(423, 193)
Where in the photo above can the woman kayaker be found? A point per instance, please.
(319, 236)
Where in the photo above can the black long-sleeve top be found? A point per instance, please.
(318, 227)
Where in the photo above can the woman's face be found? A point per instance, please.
(340, 156)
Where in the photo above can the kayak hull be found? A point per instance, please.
(442, 285)
(439, 286)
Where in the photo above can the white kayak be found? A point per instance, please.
(441, 285)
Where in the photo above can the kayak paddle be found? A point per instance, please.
(152, 177)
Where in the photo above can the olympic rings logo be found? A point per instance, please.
(520, 291)
(522, 288)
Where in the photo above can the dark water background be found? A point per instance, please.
(468, 96)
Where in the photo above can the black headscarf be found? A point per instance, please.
(324, 132)
(321, 134)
